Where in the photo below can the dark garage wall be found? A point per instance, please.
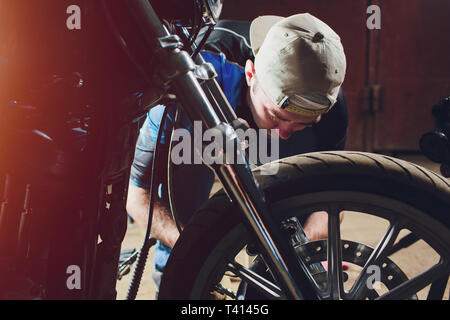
(394, 74)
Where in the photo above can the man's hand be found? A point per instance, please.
(316, 225)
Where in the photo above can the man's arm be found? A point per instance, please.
(163, 227)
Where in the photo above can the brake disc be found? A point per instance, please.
(315, 252)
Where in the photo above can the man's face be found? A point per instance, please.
(267, 115)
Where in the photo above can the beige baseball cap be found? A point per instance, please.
(299, 62)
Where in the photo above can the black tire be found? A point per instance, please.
(363, 173)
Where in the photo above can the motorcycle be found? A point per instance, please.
(72, 101)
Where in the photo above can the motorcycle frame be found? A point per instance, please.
(80, 212)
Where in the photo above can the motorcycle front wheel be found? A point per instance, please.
(394, 239)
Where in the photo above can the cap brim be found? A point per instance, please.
(259, 29)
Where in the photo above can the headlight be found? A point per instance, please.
(215, 8)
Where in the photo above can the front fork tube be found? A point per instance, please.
(242, 189)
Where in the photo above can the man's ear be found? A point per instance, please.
(249, 71)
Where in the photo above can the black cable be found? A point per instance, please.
(197, 23)
(194, 35)
(170, 173)
(148, 242)
(202, 43)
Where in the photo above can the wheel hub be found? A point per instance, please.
(356, 253)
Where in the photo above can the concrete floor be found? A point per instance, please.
(356, 227)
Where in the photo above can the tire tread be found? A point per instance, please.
(299, 166)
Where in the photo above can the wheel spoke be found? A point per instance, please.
(263, 285)
(403, 243)
(225, 291)
(437, 288)
(360, 288)
(417, 283)
(334, 254)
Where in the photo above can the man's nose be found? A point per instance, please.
(284, 131)
(284, 134)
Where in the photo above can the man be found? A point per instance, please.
(277, 73)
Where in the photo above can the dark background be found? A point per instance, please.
(394, 75)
